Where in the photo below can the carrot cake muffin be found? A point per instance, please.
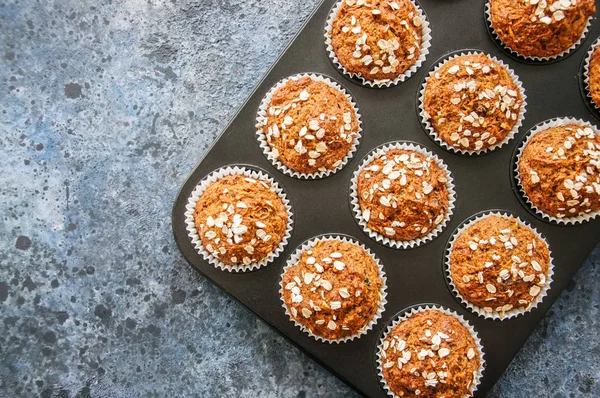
(540, 28)
(333, 290)
(377, 40)
(559, 170)
(594, 77)
(309, 125)
(499, 264)
(430, 355)
(403, 194)
(472, 102)
(240, 220)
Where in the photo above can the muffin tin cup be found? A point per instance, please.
(495, 315)
(252, 172)
(261, 122)
(425, 118)
(586, 75)
(355, 205)
(295, 257)
(496, 37)
(409, 312)
(425, 45)
(556, 122)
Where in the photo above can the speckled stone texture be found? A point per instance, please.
(105, 108)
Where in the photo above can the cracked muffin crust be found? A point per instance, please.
(540, 28)
(240, 220)
(310, 126)
(431, 355)
(333, 290)
(472, 102)
(499, 264)
(377, 40)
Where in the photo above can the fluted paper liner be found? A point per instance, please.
(309, 244)
(425, 45)
(425, 117)
(193, 232)
(495, 314)
(586, 74)
(354, 197)
(550, 123)
(423, 308)
(261, 121)
(488, 13)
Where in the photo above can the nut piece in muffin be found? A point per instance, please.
(560, 170)
(430, 355)
(540, 28)
(403, 194)
(333, 290)
(377, 40)
(472, 102)
(499, 264)
(240, 220)
(594, 77)
(310, 126)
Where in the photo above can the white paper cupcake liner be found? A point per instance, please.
(295, 257)
(193, 232)
(537, 129)
(403, 316)
(479, 310)
(586, 74)
(488, 13)
(354, 202)
(261, 121)
(425, 45)
(425, 118)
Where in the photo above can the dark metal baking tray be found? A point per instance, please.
(321, 206)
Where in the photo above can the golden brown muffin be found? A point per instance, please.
(594, 77)
(430, 355)
(472, 102)
(310, 126)
(377, 40)
(560, 171)
(499, 264)
(240, 220)
(333, 290)
(540, 28)
(403, 195)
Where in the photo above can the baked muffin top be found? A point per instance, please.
(403, 194)
(430, 354)
(240, 220)
(472, 102)
(594, 77)
(333, 290)
(540, 28)
(499, 264)
(560, 170)
(378, 40)
(310, 126)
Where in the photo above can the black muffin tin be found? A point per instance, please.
(321, 206)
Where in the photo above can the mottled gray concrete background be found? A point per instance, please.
(105, 107)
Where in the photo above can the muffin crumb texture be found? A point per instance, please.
(403, 195)
(499, 264)
(540, 28)
(378, 40)
(240, 220)
(431, 355)
(333, 290)
(594, 77)
(560, 171)
(310, 126)
(472, 102)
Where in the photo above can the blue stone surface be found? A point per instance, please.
(105, 107)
